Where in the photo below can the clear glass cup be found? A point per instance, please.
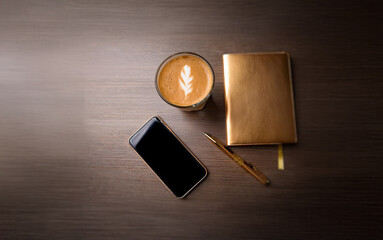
(192, 107)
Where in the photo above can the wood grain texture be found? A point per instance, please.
(77, 79)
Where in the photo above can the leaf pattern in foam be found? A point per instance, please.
(186, 80)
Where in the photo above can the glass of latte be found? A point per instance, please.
(185, 80)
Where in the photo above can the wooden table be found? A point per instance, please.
(77, 79)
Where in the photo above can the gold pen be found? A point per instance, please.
(245, 165)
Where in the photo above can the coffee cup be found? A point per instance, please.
(185, 80)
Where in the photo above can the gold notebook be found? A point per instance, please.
(259, 99)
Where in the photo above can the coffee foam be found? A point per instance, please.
(185, 80)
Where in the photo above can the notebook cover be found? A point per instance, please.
(259, 99)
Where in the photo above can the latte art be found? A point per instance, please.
(185, 80)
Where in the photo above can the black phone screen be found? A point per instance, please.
(168, 157)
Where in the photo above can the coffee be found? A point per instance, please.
(185, 80)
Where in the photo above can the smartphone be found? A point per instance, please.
(168, 157)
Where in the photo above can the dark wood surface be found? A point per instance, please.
(76, 81)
